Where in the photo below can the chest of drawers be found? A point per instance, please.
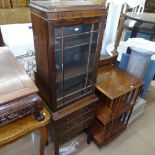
(73, 119)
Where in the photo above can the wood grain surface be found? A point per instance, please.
(14, 82)
(15, 130)
(114, 82)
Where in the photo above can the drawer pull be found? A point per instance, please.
(68, 121)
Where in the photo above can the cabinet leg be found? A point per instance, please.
(56, 146)
(43, 139)
(88, 140)
(89, 136)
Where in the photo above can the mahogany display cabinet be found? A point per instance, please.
(67, 38)
(117, 91)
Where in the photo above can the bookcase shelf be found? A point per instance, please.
(117, 92)
(103, 113)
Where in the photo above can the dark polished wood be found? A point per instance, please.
(43, 30)
(74, 118)
(117, 92)
(65, 31)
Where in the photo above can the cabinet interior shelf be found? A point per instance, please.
(71, 71)
(74, 35)
(69, 46)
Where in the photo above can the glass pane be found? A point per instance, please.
(73, 84)
(58, 32)
(58, 43)
(75, 64)
(95, 36)
(75, 61)
(76, 41)
(96, 26)
(75, 69)
(77, 29)
(92, 59)
(58, 68)
(59, 83)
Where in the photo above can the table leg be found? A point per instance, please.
(134, 33)
(43, 139)
(89, 135)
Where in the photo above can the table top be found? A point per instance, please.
(67, 5)
(114, 82)
(14, 82)
(16, 129)
(145, 17)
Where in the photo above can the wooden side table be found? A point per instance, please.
(19, 128)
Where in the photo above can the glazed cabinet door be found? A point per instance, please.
(75, 61)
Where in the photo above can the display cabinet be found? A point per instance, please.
(67, 41)
(68, 37)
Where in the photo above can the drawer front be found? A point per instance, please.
(75, 114)
(72, 132)
(79, 119)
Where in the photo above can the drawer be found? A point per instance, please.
(75, 114)
(70, 124)
(72, 132)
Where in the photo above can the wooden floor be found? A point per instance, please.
(15, 15)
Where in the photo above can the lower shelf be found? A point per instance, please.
(99, 133)
(102, 136)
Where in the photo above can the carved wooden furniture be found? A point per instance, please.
(19, 128)
(67, 46)
(117, 92)
(18, 94)
(67, 37)
(71, 120)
